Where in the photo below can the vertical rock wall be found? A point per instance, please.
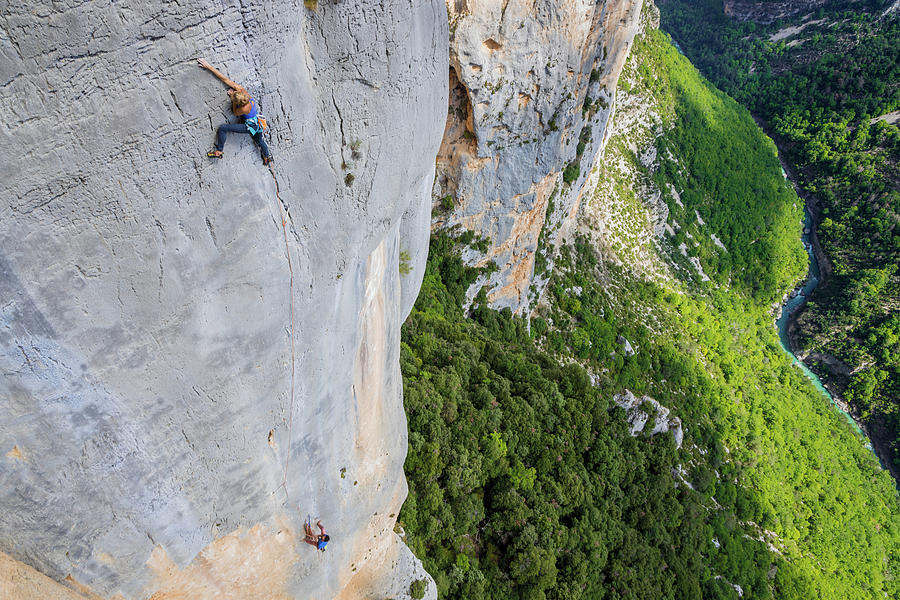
(526, 79)
(145, 294)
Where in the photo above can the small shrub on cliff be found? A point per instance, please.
(404, 263)
(482, 244)
(417, 589)
(571, 172)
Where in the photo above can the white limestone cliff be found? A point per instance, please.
(146, 415)
(532, 90)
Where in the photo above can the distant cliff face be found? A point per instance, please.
(146, 359)
(769, 11)
(532, 87)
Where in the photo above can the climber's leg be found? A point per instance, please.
(310, 537)
(225, 129)
(260, 139)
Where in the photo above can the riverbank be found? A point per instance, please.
(820, 269)
(879, 437)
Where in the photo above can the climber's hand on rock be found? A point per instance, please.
(203, 63)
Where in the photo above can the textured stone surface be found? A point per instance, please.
(641, 410)
(145, 335)
(521, 91)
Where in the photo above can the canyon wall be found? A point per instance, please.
(183, 378)
(532, 88)
(769, 11)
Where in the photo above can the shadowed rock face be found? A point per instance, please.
(526, 78)
(146, 416)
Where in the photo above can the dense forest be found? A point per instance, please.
(527, 479)
(826, 84)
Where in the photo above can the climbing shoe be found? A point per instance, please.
(267, 160)
(214, 154)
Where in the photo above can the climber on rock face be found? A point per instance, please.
(319, 541)
(245, 107)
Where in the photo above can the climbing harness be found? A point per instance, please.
(282, 212)
(254, 121)
(256, 124)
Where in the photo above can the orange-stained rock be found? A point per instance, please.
(527, 80)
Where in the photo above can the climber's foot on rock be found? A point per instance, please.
(214, 154)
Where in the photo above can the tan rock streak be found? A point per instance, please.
(369, 380)
(247, 563)
(380, 447)
(525, 232)
(18, 581)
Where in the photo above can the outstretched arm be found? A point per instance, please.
(215, 72)
(322, 529)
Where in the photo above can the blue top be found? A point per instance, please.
(321, 545)
(254, 110)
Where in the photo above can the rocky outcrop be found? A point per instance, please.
(625, 215)
(627, 348)
(155, 314)
(641, 410)
(532, 88)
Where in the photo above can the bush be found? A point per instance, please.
(404, 263)
(571, 172)
(417, 589)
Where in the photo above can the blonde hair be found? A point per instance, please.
(239, 98)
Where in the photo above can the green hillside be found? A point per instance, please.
(828, 86)
(525, 480)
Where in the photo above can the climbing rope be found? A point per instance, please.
(283, 212)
